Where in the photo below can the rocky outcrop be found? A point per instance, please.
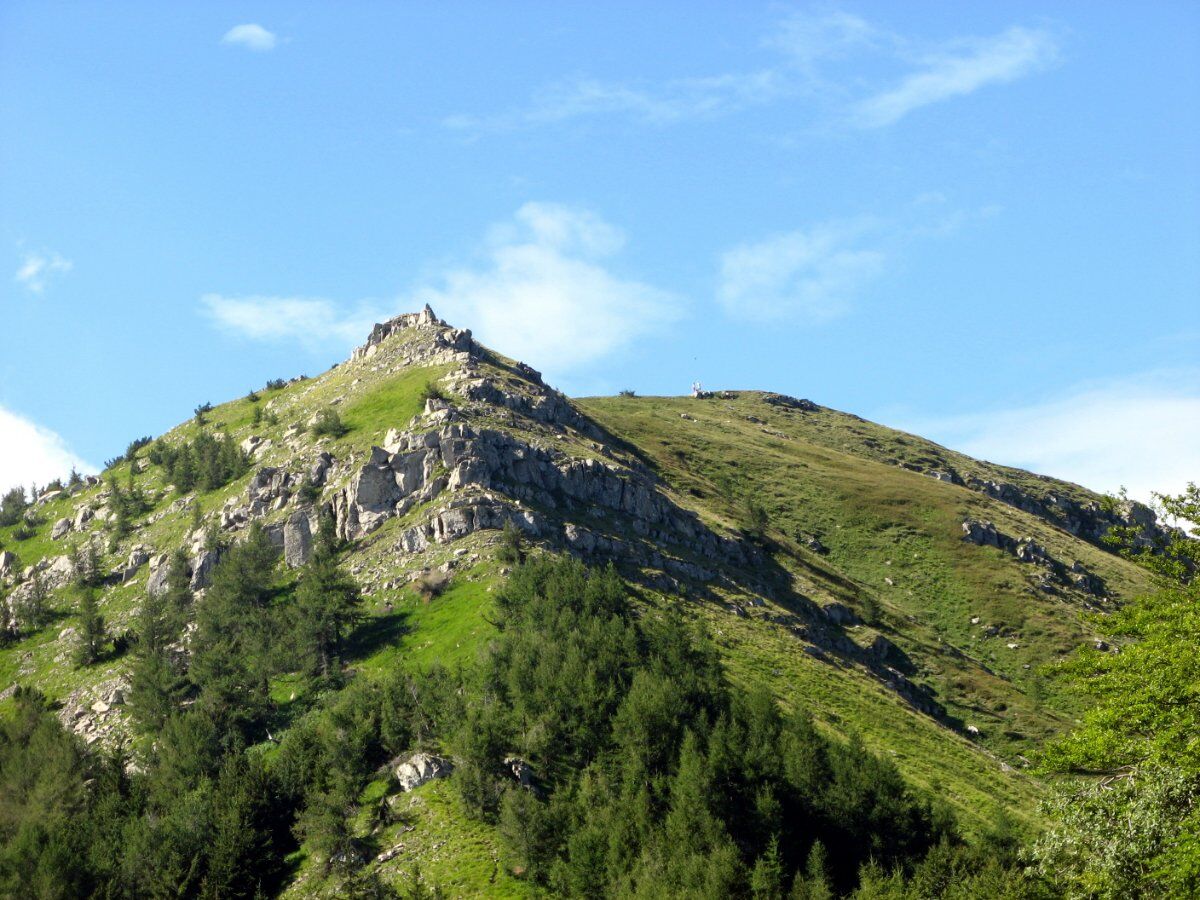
(496, 477)
(417, 769)
(1027, 550)
(441, 336)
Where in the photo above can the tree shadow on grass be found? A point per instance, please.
(375, 633)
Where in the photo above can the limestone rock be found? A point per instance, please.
(419, 768)
(297, 540)
(60, 529)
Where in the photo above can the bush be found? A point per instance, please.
(252, 396)
(135, 445)
(276, 384)
(200, 412)
(429, 585)
(626, 393)
(433, 391)
(328, 422)
(13, 506)
(512, 544)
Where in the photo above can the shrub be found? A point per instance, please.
(512, 544)
(12, 506)
(252, 396)
(429, 585)
(135, 445)
(329, 422)
(627, 393)
(276, 384)
(200, 412)
(433, 391)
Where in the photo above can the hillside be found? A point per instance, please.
(901, 593)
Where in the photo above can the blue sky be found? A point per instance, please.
(978, 221)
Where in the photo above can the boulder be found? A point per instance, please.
(202, 566)
(82, 517)
(60, 529)
(297, 540)
(521, 771)
(839, 614)
(158, 578)
(8, 562)
(420, 768)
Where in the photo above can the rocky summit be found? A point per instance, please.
(898, 593)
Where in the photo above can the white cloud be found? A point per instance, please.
(39, 267)
(807, 46)
(251, 36)
(541, 291)
(811, 274)
(313, 322)
(30, 453)
(945, 74)
(1142, 433)
(661, 104)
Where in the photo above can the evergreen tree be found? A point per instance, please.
(230, 649)
(156, 681)
(326, 606)
(91, 637)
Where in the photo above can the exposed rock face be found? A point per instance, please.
(420, 768)
(60, 529)
(476, 465)
(202, 568)
(442, 336)
(1029, 551)
(8, 562)
(297, 539)
(786, 402)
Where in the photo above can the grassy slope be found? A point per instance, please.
(880, 522)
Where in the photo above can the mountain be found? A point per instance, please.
(901, 593)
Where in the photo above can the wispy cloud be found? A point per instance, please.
(31, 453)
(1141, 432)
(542, 289)
(945, 74)
(805, 47)
(659, 104)
(38, 268)
(815, 273)
(251, 36)
(313, 322)
(809, 273)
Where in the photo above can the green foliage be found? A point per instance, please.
(205, 462)
(201, 412)
(13, 506)
(231, 659)
(434, 391)
(627, 392)
(157, 682)
(326, 606)
(91, 636)
(755, 520)
(1136, 831)
(512, 544)
(328, 422)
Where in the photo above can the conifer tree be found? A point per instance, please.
(326, 606)
(91, 627)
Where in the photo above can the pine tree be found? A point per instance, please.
(156, 683)
(91, 627)
(326, 606)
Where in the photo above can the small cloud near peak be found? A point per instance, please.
(251, 36)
